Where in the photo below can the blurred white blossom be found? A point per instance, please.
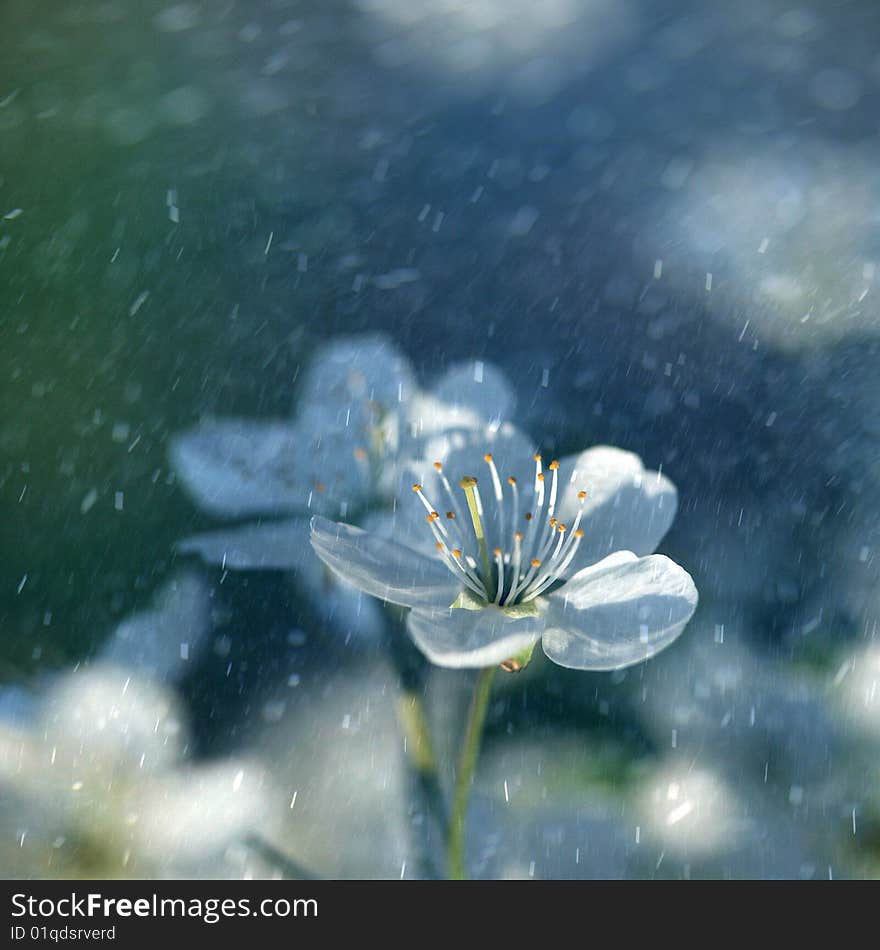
(339, 757)
(164, 641)
(690, 810)
(361, 417)
(97, 784)
(857, 687)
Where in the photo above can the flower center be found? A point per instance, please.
(504, 559)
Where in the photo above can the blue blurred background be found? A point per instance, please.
(661, 221)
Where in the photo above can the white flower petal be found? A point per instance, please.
(428, 417)
(347, 611)
(470, 639)
(383, 569)
(476, 387)
(238, 466)
(627, 507)
(235, 467)
(356, 371)
(102, 719)
(620, 611)
(272, 545)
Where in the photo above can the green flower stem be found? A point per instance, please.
(470, 751)
(414, 726)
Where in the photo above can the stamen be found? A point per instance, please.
(418, 490)
(513, 487)
(544, 548)
(432, 514)
(554, 467)
(499, 566)
(517, 560)
(453, 504)
(569, 551)
(496, 481)
(499, 492)
(456, 563)
(534, 534)
(527, 580)
(539, 482)
(551, 571)
(558, 571)
(575, 532)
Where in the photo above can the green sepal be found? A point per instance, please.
(518, 611)
(468, 601)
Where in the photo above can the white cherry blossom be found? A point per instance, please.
(495, 549)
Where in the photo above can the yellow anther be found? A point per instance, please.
(582, 495)
(553, 465)
(450, 515)
(540, 476)
(519, 536)
(537, 457)
(536, 562)
(456, 553)
(561, 528)
(497, 552)
(439, 546)
(511, 480)
(578, 533)
(468, 482)
(487, 457)
(553, 522)
(438, 466)
(417, 488)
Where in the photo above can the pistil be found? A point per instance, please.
(475, 506)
